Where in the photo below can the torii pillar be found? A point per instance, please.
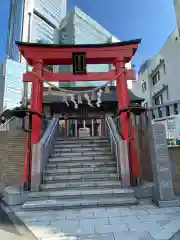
(127, 129)
(37, 99)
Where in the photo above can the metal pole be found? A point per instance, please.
(92, 127)
(76, 130)
(67, 128)
(25, 90)
(100, 128)
(27, 186)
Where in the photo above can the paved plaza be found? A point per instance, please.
(141, 222)
(5, 235)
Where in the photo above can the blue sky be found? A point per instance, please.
(150, 20)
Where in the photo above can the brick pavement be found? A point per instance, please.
(142, 222)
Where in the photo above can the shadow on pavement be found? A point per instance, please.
(11, 227)
(6, 224)
(176, 236)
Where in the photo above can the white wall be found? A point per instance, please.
(28, 8)
(170, 52)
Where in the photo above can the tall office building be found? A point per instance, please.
(177, 11)
(11, 83)
(78, 28)
(29, 20)
(34, 21)
(14, 28)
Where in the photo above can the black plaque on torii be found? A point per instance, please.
(79, 63)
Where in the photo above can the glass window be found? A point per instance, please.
(164, 68)
(176, 108)
(158, 100)
(144, 87)
(165, 95)
(146, 105)
(156, 78)
(162, 97)
(160, 112)
(167, 111)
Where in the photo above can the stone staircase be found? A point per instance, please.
(80, 173)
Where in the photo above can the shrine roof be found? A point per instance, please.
(123, 43)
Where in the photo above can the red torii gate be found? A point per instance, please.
(118, 54)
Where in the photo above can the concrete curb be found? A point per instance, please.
(19, 225)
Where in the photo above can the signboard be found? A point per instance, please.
(172, 127)
(79, 63)
(84, 132)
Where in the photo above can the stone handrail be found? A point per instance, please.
(43, 150)
(119, 149)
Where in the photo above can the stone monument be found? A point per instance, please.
(163, 193)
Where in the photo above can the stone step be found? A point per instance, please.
(81, 181)
(81, 149)
(81, 194)
(80, 138)
(68, 159)
(88, 153)
(80, 177)
(81, 164)
(76, 184)
(77, 145)
(82, 141)
(78, 204)
(83, 171)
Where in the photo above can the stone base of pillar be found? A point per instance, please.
(144, 191)
(14, 195)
